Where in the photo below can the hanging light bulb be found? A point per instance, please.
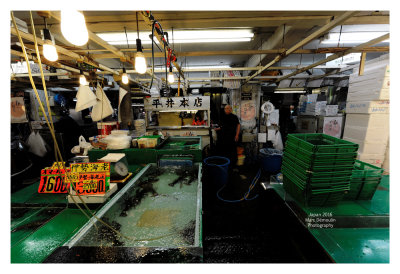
(140, 60)
(171, 78)
(125, 79)
(73, 27)
(49, 50)
(82, 79)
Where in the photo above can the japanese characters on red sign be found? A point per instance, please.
(88, 179)
(53, 181)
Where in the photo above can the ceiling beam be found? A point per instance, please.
(245, 52)
(114, 22)
(101, 42)
(269, 44)
(306, 40)
(337, 55)
(231, 69)
(79, 58)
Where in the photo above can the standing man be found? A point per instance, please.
(229, 135)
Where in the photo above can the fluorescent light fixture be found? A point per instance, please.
(206, 67)
(353, 37)
(183, 36)
(290, 91)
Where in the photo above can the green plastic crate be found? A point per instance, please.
(310, 156)
(321, 185)
(365, 170)
(368, 190)
(318, 142)
(315, 174)
(349, 162)
(308, 199)
(337, 165)
(364, 181)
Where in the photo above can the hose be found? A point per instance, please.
(246, 195)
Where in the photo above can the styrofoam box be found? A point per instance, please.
(373, 135)
(369, 95)
(371, 73)
(380, 83)
(386, 161)
(369, 147)
(368, 107)
(375, 89)
(376, 120)
(374, 159)
(372, 66)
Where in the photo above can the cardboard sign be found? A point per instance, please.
(91, 184)
(90, 167)
(90, 178)
(53, 181)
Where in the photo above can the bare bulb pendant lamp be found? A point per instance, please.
(124, 79)
(171, 78)
(73, 27)
(49, 50)
(140, 60)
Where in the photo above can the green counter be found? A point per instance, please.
(352, 231)
(136, 156)
(40, 223)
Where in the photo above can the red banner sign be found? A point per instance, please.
(88, 179)
(53, 181)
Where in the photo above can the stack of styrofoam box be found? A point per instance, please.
(315, 108)
(367, 119)
(330, 110)
(386, 161)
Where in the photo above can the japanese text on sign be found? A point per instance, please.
(177, 103)
(91, 184)
(53, 181)
(92, 178)
(90, 167)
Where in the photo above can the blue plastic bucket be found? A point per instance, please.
(271, 160)
(216, 170)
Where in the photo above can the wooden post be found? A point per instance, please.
(362, 63)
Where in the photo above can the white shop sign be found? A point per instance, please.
(177, 103)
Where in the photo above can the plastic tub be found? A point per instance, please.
(216, 170)
(271, 160)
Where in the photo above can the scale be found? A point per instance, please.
(119, 172)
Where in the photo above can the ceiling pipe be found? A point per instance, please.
(305, 41)
(337, 55)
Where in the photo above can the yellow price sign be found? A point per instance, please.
(90, 167)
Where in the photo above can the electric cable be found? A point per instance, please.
(51, 128)
(246, 195)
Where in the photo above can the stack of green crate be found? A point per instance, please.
(317, 168)
(364, 181)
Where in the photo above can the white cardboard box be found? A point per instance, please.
(374, 83)
(369, 95)
(366, 134)
(368, 107)
(368, 120)
(386, 161)
(379, 72)
(368, 147)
